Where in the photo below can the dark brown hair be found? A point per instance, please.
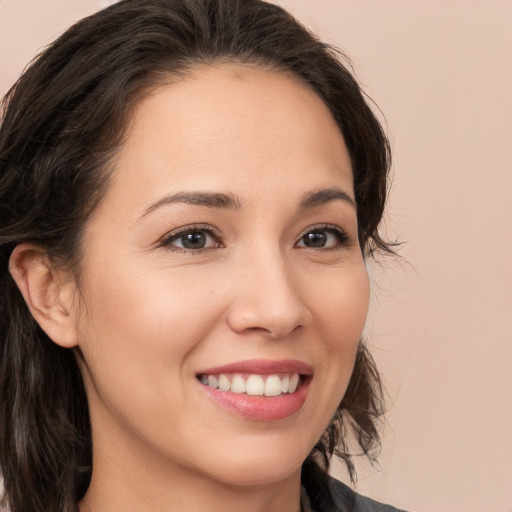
(62, 123)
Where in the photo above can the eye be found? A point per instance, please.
(326, 237)
(192, 239)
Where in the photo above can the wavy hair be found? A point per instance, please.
(62, 123)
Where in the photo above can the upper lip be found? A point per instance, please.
(262, 367)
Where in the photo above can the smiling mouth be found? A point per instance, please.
(258, 389)
(254, 384)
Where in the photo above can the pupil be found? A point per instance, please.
(315, 239)
(194, 240)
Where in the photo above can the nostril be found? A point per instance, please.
(268, 303)
(274, 324)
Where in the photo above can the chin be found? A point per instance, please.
(258, 465)
(247, 475)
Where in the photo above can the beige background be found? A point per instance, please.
(440, 325)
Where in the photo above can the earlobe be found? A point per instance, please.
(46, 292)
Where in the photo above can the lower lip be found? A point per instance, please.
(263, 408)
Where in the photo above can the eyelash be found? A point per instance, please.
(342, 238)
(166, 242)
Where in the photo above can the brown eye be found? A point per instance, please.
(192, 240)
(315, 239)
(323, 238)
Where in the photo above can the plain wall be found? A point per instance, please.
(441, 318)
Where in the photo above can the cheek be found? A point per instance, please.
(341, 317)
(130, 292)
(137, 338)
(139, 325)
(343, 307)
(142, 336)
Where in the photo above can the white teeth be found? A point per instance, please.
(238, 384)
(294, 381)
(224, 384)
(273, 386)
(254, 385)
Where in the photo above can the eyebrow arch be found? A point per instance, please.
(208, 199)
(323, 196)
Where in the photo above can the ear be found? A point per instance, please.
(48, 292)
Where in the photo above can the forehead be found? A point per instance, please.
(225, 123)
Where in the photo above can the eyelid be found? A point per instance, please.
(165, 241)
(343, 237)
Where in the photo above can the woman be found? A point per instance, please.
(189, 192)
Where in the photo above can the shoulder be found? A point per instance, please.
(347, 500)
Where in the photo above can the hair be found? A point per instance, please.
(62, 123)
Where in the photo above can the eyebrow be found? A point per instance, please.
(323, 196)
(208, 199)
(232, 202)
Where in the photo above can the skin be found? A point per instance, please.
(147, 316)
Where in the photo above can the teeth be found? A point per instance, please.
(285, 383)
(254, 385)
(273, 386)
(294, 382)
(224, 384)
(238, 384)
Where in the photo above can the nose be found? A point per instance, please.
(267, 297)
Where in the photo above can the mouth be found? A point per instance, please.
(258, 389)
(254, 384)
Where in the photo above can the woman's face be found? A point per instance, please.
(227, 245)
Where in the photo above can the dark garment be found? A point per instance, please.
(348, 500)
(325, 494)
(344, 499)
